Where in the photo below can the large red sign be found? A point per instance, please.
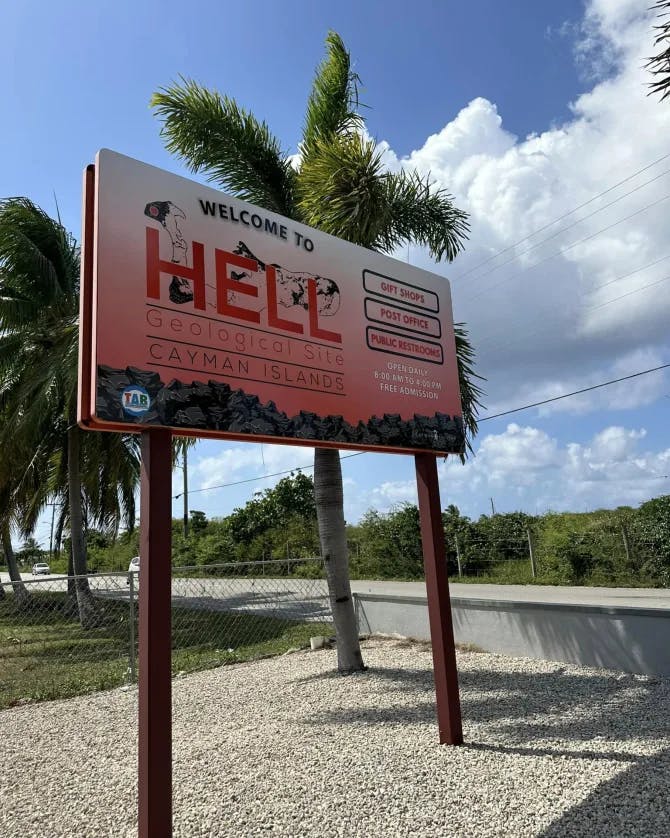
(214, 317)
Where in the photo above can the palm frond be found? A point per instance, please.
(424, 215)
(39, 264)
(180, 445)
(659, 64)
(212, 134)
(110, 465)
(471, 392)
(341, 189)
(333, 101)
(39, 307)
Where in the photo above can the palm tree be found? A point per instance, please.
(180, 447)
(39, 309)
(18, 585)
(659, 64)
(337, 184)
(15, 463)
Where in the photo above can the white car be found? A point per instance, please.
(133, 567)
(41, 569)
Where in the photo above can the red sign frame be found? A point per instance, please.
(184, 327)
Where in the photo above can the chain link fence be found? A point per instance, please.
(604, 556)
(61, 637)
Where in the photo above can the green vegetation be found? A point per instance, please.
(46, 458)
(46, 654)
(621, 547)
(613, 547)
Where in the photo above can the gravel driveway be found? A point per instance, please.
(285, 747)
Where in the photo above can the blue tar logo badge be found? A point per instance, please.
(135, 400)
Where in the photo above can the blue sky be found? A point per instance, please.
(523, 110)
(79, 75)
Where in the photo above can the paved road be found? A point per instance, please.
(28, 577)
(261, 590)
(293, 599)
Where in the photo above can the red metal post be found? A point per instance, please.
(84, 408)
(439, 604)
(155, 685)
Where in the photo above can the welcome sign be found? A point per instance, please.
(212, 317)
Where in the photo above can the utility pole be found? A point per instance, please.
(51, 537)
(458, 556)
(530, 553)
(626, 543)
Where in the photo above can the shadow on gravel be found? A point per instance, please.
(525, 712)
(620, 805)
(606, 756)
(616, 706)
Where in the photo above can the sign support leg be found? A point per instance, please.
(155, 685)
(439, 605)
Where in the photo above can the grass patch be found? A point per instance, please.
(511, 572)
(45, 654)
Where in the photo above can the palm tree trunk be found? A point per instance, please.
(85, 602)
(71, 588)
(20, 590)
(71, 608)
(329, 498)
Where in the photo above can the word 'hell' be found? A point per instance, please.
(225, 285)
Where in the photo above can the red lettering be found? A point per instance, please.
(273, 317)
(156, 266)
(314, 329)
(224, 284)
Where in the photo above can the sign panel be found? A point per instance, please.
(214, 317)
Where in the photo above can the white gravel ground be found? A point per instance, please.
(285, 747)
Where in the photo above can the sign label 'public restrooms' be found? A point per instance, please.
(213, 317)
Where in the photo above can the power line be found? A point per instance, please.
(628, 293)
(260, 477)
(487, 339)
(564, 250)
(483, 419)
(561, 217)
(569, 227)
(574, 393)
(630, 273)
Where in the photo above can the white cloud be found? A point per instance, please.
(391, 493)
(523, 449)
(363, 492)
(240, 461)
(524, 468)
(553, 321)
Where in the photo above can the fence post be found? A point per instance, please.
(133, 671)
(530, 552)
(458, 556)
(626, 543)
